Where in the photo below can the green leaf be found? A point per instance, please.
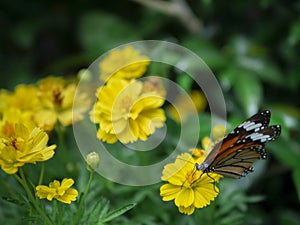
(185, 82)
(294, 36)
(287, 152)
(296, 178)
(99, 211)
(13, 200)
(206, 50)
(118, 212)
(100, 31)
(248, 91)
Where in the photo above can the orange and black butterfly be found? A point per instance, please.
(234, 155)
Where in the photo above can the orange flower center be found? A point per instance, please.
(126, 103)
(191, 177)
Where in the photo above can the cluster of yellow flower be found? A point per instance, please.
(28, 114)
(127, 109)
(60, 191)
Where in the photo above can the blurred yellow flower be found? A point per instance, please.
(218, 132)
(185, 106)
(24, 97)
(56, 190)
(188, 187)
(22, 145)
(11, 116)
(154, 84)
(57, 103)
(207, 143)
(126, 63)
(125, 113)
(18, 106)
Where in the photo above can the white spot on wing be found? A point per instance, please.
(259, 136)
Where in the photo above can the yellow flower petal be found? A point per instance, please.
(169, 191)
(185, 197)
(187, 210)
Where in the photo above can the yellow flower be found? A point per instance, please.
(125, 113)
(23, 145)
(184, 106)
(24, 97)
(57, 96)
(19, 106)
(154, 84)
(188, 187)
(126, 63)
(62, 192)
(219, 132)
(11, 116)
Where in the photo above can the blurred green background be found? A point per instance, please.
(253, 48)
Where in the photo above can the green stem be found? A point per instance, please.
(60, 130)
(23, 182)
(82, 199)
(59, 212)
(41, 174)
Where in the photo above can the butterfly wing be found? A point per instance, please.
(234, 155)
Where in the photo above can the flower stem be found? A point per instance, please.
(59, 213)
(41, 174)
(23, 182)
(60, 130)
(82, 199)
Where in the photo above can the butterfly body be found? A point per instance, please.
(234, 155)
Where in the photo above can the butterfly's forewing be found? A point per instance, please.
(234, 155)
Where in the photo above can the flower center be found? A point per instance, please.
(191, 177)
(8, 129)
(126, 103)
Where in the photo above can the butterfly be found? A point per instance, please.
(234, 155)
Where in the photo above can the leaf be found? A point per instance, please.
(185, 81)
(248, 91)
(287, 152)
(13, 200)
(99, 211)
(294, 36)
(118, 212)
(206, 50)
(100, 31)
(296, 178)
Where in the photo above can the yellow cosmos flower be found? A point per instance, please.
(126, 63)
(125, 113)
(154, 84)
(57, 97)
(12, 116)
(24, 97)
(56, 190)
(188, 187)
(184, 107)
(23, 145)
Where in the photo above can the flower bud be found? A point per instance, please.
(93, 159)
